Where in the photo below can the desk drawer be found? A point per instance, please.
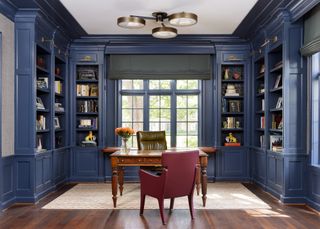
(139, 161)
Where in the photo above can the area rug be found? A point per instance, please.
(220, 195)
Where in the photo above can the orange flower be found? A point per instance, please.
(124, 132)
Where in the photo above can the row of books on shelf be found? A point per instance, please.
(276, 65)
(276, 121)
(277, 84)
(231, 123)
(231, 105)
(87, 90)
(85, 106)
(88, 123)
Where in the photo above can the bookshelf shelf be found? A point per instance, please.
(276, 69)
(232, 81)
(42, 69)
(232, 129)
(276, 110)
(278, 90)
(232, 113)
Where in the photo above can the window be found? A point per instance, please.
(315, 109)
(170, 105)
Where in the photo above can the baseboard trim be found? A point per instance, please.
(313, 204)
(6, 204)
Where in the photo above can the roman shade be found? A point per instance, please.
(312, 32)
(159, 67)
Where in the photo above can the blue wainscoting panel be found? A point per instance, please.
(8, 188)
(25, 169)
(314, 187)
(232, 164)
(85, 166)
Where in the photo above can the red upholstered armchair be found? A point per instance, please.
(176, 180)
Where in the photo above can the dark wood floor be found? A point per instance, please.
(280, 216)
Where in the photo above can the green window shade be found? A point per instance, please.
(312, 32)
(160, 67)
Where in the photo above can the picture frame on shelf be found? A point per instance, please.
(279, 104)
(56, 123)
(39, 104)
(94, 90)
(234, 106)
(58, 107)
(42, 83)
(277, 82)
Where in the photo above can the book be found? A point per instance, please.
(57, 86)
(262, 122)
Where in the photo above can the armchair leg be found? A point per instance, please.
(161, 207)
(171, 204)
(190, 199)
(142, 200)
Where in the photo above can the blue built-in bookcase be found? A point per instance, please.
(42, 154)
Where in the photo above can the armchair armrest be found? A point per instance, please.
(151, 183)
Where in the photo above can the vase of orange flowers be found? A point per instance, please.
(125, 133)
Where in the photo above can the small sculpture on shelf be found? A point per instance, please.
(226, 74)
(90, 140)
(231, 140)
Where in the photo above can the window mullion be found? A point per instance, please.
(173, 111)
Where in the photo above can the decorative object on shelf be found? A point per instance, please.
(226, 74)
(39, 104)
(90, 140)
(42, 83)
(231, 140)
(58, 107)
(234, 106)
(276, 143)
(39, 144)
(41, 61)
(277, 82)
(237, 73)
(87, 90)
(279, 104)
(164, 32)
(125, 133)
(237, 124)
(88, 123)
(261, 71)
(41, 123)
(276, 120)
(231, 90)
(57, 71)
(56, 123)
(261, 88)
(58, 141)
(87, 74)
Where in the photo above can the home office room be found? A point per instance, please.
(170, 114)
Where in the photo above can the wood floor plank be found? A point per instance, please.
(279, 216)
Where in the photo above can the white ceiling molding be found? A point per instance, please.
(214, 16)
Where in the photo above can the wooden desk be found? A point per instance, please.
(148, 158)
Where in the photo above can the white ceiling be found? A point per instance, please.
(214, 16)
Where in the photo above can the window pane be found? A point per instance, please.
(182, 101)
(154, 126)
(137, 115)
(181, 114)
(165, 102)
(165, 84)
(154, 101)
(182, 84)
(165, 115)
(153, 84)
(166, 127)
(181, 128)
(181, 141)
(193, 115)
(192, 101)
(192, 141)
(126, 115)
(137, 84)
(154, 114)
(126, 84)
(187, 84)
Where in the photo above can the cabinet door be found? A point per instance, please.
(234, 163)
(86, 162)
(275, 172)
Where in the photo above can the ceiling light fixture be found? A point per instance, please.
(163, 32)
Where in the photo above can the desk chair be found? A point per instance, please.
(151, 140)
(174, 181)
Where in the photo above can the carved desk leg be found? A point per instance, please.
(198, 177)
(121, 174)
(114, 180)
(204, 163)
